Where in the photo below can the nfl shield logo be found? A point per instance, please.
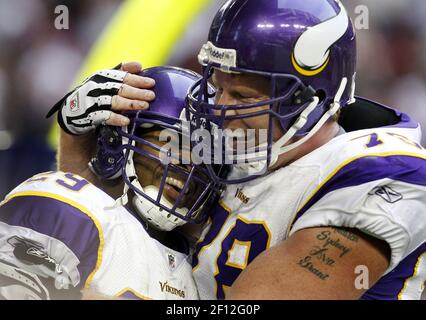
(172, 261)
(74, 103)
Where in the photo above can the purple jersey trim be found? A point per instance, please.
(389, 286)
(407, 169)
(60, 221)
(131, 296)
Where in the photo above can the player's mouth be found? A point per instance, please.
(173, 187)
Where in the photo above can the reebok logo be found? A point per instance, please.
(387, 193)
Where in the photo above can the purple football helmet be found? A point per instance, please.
(307, 51)
(181, 193)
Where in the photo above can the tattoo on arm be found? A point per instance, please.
(324, 253)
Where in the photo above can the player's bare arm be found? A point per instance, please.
(315, 263)
(76, 149)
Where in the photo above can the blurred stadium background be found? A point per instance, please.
(39, 64)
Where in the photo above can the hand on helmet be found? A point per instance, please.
(101, 98)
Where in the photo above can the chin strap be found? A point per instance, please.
(277, 147)
(130, 173)
(280, 146)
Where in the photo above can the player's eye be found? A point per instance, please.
(239, 95)
(245, 96)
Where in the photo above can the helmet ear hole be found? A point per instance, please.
(109, 136)
(108, 158)
(321, 95)
(303, 96)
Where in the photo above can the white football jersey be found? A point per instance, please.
(373, 180)
(60, 227)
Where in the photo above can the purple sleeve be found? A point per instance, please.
(60, 221)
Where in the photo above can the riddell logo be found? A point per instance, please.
(166, 288)
(216, 54)
(210, 53)
(241, 196)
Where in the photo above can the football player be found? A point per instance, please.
(330, 203)
(60, 235)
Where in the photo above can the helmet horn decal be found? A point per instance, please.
(311, 53)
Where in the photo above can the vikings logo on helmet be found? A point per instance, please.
(307, 51)
(311, 53)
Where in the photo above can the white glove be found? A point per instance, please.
(89, 105)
